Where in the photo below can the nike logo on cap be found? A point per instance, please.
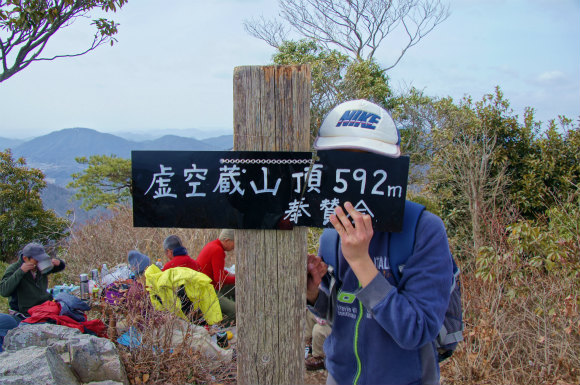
(356, 118)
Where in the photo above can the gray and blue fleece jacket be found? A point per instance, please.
(384, 333)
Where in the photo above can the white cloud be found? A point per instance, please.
(551, 78)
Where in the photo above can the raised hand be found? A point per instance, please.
(355, 240)
(28, 266)
(316, 269)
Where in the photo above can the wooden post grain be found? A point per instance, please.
(271, 113)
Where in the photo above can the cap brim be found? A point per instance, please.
(44, 265)
(356, 143)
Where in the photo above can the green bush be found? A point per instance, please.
(549, 243)
(3, 300)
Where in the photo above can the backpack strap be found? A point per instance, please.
(328, 250)
(401, 244)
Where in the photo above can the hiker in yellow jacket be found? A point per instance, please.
(179, 288)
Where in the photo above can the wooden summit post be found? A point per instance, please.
(271, 113)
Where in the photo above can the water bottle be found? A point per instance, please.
(85, 294)
(104, 271)
(222, 339)
(158, 263)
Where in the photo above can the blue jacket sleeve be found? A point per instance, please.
(413, 312)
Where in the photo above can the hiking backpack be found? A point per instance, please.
(400, 249)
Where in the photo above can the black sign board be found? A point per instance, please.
(264, 190)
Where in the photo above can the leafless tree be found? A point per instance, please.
(356, 27)
(466, 152)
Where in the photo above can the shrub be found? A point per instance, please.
(521, 305)
(3, 300)
(549, 243)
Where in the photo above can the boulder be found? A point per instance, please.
(35, 366)
(91, 358)
(26, 335)
(96, 359)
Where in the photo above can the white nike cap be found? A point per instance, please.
(362, 125)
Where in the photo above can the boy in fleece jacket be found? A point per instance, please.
(382, 332)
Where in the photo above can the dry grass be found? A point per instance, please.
(521, 323)
(108, 239)
(518, 330)
(164, 348)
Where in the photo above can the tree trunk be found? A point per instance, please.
(271, 113)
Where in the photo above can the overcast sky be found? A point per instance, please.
(173, 64)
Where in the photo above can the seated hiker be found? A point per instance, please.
(138, 303)
(128, 296)
(212, 261)
(164, 291)
(316, 332)
(26, 283)
(176, 254)
(139, 309)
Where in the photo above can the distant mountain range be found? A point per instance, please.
(183, 132)
(55, 154)
(10, 143)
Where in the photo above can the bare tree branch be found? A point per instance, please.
(97, 41)
(271, 31)
(356, 27)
